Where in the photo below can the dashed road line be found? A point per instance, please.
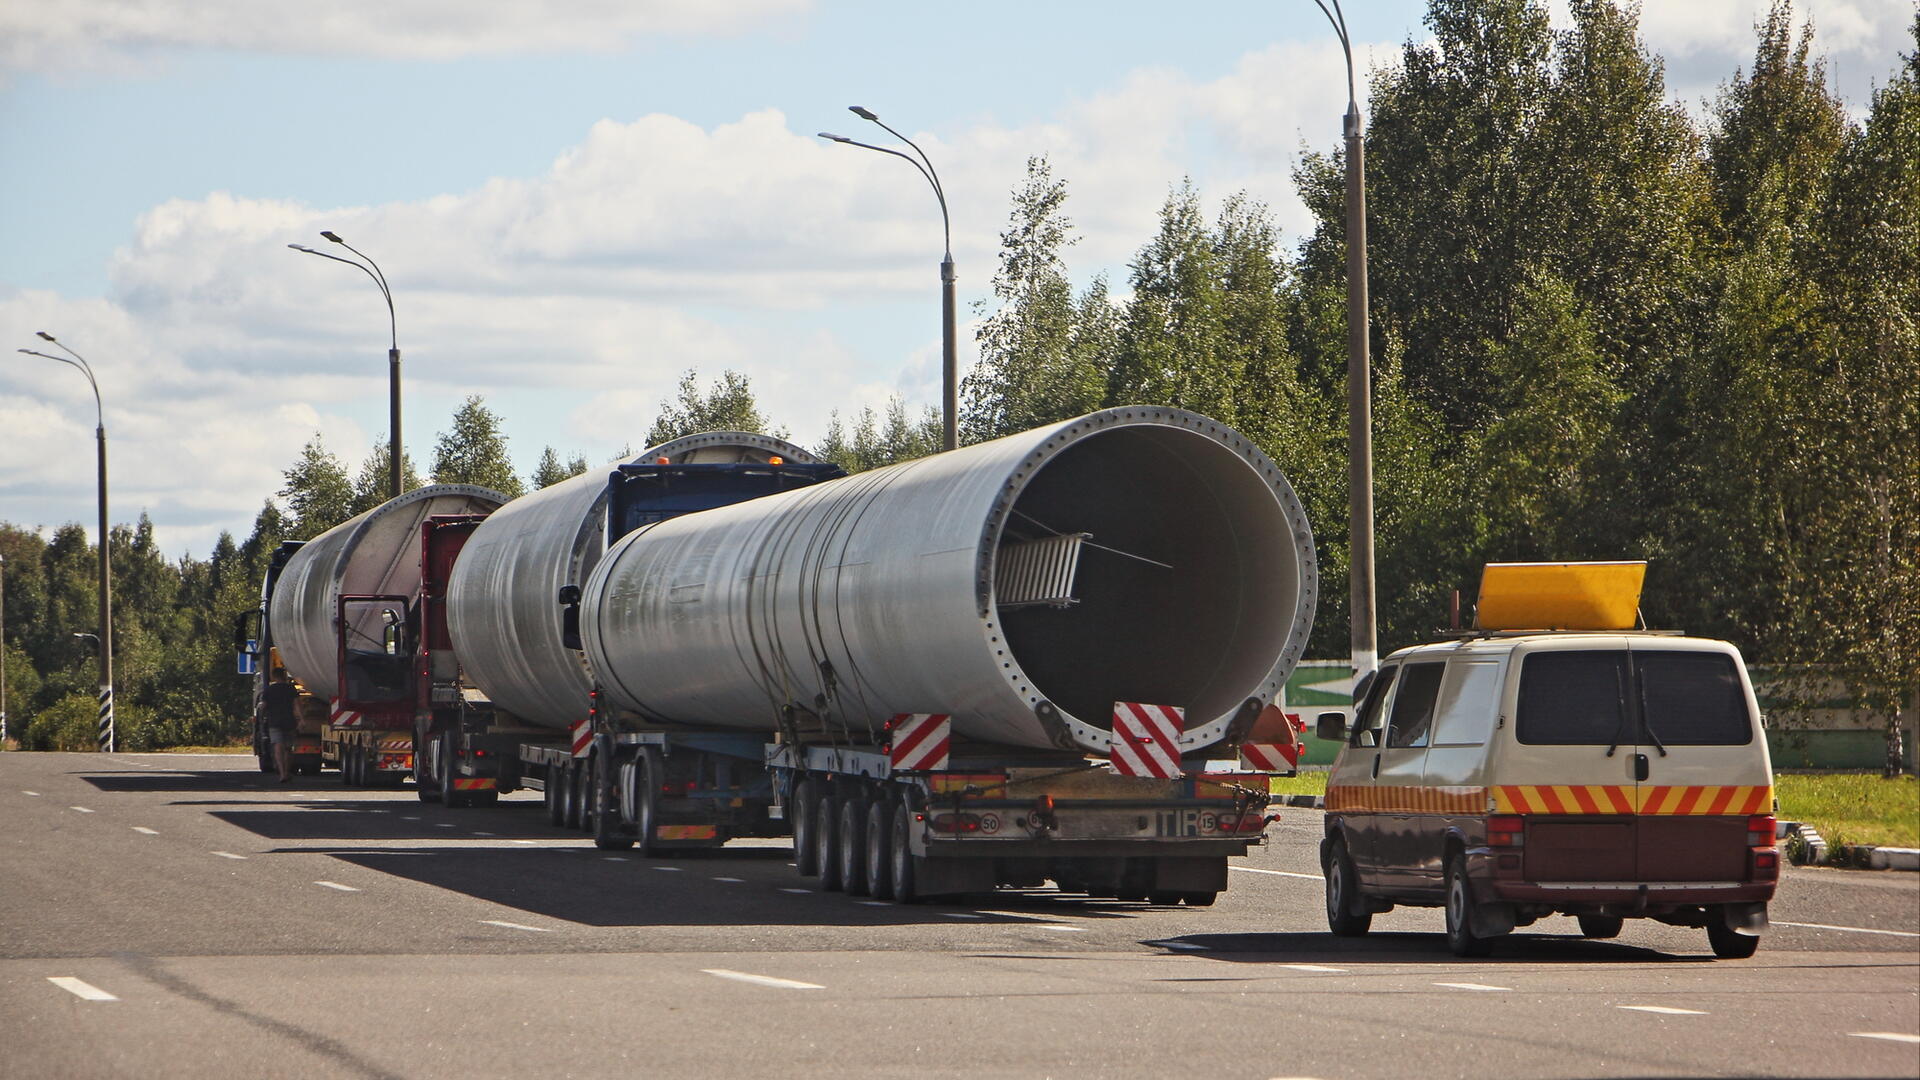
(526, 841)
(477, 832)
(669, 869)
(731, 880)
(792, 889)
(1320, 970)
(1061, 927)
(82, 990)
(1473, 986)
(874, 903)
(336, 885)
(613, 858)
(518, 926)
(82, 809)
(229, 855)
(415, 817)
(762, 980)
(1890, 1036)
(1848, 929)
(1276, 873)
(443, 824)
(962, 915)
(1661, 1010)
(24, 791)
(144, 831)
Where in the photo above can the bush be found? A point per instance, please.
(70, 724)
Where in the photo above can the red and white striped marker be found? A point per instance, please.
(1269, 757)
(1145, 739)
(342, 718)
(582, 737)
(920, 741)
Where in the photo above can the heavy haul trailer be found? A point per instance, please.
(1085, 614)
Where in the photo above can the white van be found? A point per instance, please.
(1516, 773)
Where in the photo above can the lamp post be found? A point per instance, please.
(949, 344)
(105, 637)
(372, 270)
(1363, 636)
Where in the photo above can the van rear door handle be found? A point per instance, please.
(1640, 771)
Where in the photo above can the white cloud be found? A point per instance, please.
(49, 33)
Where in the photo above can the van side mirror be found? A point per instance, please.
(1331, 726)
(570, 616)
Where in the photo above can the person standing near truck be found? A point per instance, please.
(276, 707)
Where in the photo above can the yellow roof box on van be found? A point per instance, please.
(1560, 596)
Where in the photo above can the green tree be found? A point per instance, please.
(318, 493)
(1172, 348)
(372, 485)
(473, 451)
(728, 406)
(551, 470)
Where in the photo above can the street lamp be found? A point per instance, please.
(105, 638)
(1363, 635)
(949, 346)
(372, 270)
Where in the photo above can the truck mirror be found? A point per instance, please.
(1331, 726)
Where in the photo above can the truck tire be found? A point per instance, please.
(879, 851)
(450, 796)
(550, 798)
(826, 815)
(1728, 943)
(905, 862)
(423, 784)
(353, 767)
(609, 832)
(853, 846)
(576, 797)
(1600, 926)
(1342, 884)
(646, 805)
(1460, 903)
(806, 836)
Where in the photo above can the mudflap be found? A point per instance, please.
(1749, 920)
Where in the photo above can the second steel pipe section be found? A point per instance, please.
(858, 599)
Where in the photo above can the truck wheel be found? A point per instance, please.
(1341, 894)
(609, 833)
(826, 817)
(853, 846)
(450, 795)
(352, 772)
(1460, 935)
(423, 784)
(806, 837)
(905, 889)
(879, 851)
(1600, 926)
(1728, 943)
(550, 798)
(576, 797)
(646, 808)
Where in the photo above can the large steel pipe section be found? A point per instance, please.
(374, 554)
(502, 611)
(1022, 585)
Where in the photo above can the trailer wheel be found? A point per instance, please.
(609, 832)
(550, 797)
(646, 810)
(450, 795)
(905, 888)
(423, 784)
(576, 797)
(879, 853)
(350, 767)
(853, 846)
(806, 834)
(826, 819)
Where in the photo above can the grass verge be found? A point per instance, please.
(1853, 808)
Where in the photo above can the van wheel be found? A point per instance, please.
(1728, 944)
(1460, 936)
(1600, 926)
(1342, 894)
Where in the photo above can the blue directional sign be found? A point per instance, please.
(249, 658)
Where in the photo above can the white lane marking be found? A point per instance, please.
(875, 903)
(962, 915)
(1316, 968)
(762, 980)
(612, 858)
(1183, 946)
(526, 841)
(229, 855)
(1472, 986)
(731, 880)
(144, 831)
(802, 892)
(443, 824)
(413, 817)
(24, 791)
(669, 869)
(518, 926)
(1890, 1036)
(1848, 929)
(82, 990)
(1062, 927)
(82, 809)
(1661, 1010)
(336, 885)
(1276, 873)
(477, 832)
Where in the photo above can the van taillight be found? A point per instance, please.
(1760, 830)
(1506, 830)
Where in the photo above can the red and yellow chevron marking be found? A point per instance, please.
(1627, 799)
(1407, 799)
(685, 832)
(473, 783)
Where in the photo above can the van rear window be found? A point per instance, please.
(1573, 698)
(1693, 698)
(1685, 698)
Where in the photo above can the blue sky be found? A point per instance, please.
(577, 200)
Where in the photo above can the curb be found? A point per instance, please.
(1311, 802)
(1889, 858)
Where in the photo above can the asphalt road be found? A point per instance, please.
(247, 929)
